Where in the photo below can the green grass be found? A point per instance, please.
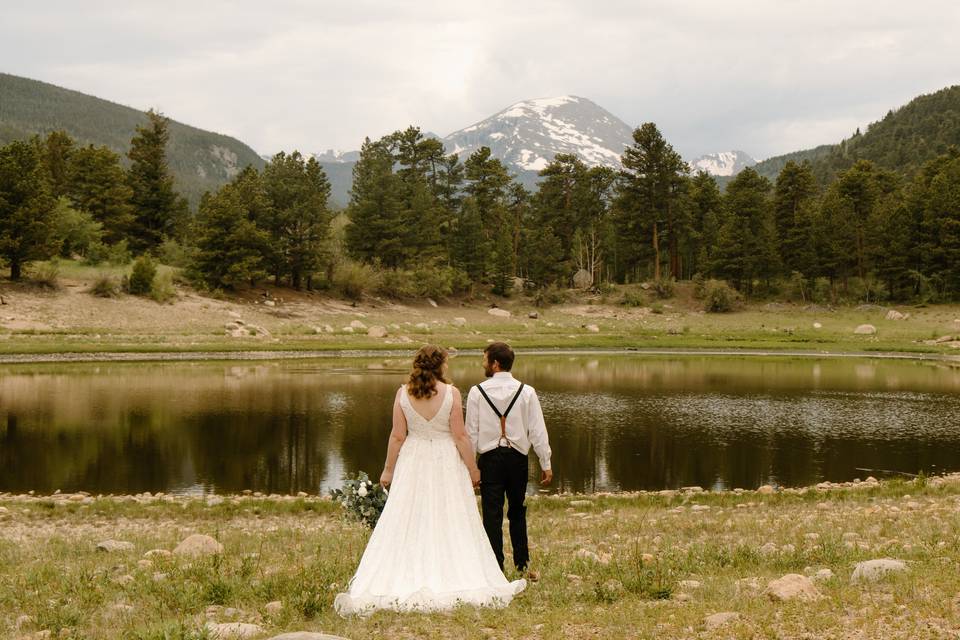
(301, 552)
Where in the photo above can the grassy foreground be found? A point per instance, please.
(650, 565)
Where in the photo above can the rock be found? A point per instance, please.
(377, 332)
(581, 503)
(499, 313)
(865, 330)
(823, 574)
(144, 564)
(233, 630)
(791, 586)
(198, 545)
(306, 635)
(700, 507)
(690, 584)
(533, 315)
(613, 586)
(233, 314)
(113, 546)
(817, 325)
(459, 322)
(766, 490)
(432, 303)
(124, 580)
(574, 578)
(347, 329)
(586, 554)
(269, 303)
(719, 619)
(582, 279)
(22, 621)
(768, 549)
(647, 558)
(893, 314)
(592, 328)
(153, 553)
(943, 339)
(873, 570)
(273, 608)
(356, 324)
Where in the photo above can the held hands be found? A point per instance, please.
(546, 477)
(386, 478)
(475, 477)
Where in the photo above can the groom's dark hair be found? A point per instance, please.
(501, 353)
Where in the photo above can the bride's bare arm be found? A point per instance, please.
(397, 435)
(464, 444)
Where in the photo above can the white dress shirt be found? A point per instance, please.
(525, 425)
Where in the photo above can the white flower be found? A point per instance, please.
(362, 492)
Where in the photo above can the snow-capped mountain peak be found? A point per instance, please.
(723, 163)
(528, 134)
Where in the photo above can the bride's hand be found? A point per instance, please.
(386, 478)
(475, 477)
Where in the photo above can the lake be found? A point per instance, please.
(616, 421)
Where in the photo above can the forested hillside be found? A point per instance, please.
(199, 160)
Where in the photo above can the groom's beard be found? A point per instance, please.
(488, 372)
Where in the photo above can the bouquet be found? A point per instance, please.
(361, 498)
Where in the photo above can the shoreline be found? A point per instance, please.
(292, 354)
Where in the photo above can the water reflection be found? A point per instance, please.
(616, 422)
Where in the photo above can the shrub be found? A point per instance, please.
(354, 279)
(47, 273)
(551, 295)
(699, 286)
(141, 278)
(719, 297)
(433, 282)
(173, 253)
(664, 288)
(633, 299)
(162, 289)
(395, 283)
(98, 253)
(657, 307)
(105, 287)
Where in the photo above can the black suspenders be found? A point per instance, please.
(502, 416)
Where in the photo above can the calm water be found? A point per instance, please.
(616, 422)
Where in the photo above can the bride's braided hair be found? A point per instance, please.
(427, 370)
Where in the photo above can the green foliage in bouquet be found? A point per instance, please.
(361, 498)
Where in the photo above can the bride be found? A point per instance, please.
(429, 550)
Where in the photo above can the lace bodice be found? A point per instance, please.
(437, 426)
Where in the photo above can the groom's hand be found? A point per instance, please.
(546, 477)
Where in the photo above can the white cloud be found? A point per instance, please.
(767, 77)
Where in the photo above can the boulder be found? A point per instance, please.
(356, 324)
(873, 570)
(766, 490)
(581, 503)
(592, 328)
(533, 315)
(153, 553)
(865, 330)
(792, 586)
(273, 608)
(198, 545)
(432, 303)
(719, 619)
(113, 546)
(233, 630)
(347, 329)
(459, 322)
(893, 314)
(499, 313)
(823, 574)
(582, 279)
(817, 325)
(377, 332)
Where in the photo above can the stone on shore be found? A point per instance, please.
(305, 635)
(792, 586)
(592, 328)
(198, 545)
(113, 546)
(377, 332)
(459, 322)
(865, 330)
(874, 570)
(499, 313)
(893, 314)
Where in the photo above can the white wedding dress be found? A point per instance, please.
(429, 551)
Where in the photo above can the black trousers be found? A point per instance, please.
(504, 472)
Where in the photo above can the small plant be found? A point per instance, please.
(142, 276)
(664, 289)
(354, 279)
(657, 308)
(361, 498)
(46, 274)
(162, 288)
(633, 299)
(719, 297)
(105, 287)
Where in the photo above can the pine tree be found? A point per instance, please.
(96, 183)
(794, 203)
(231, 247)
(58, 150)
(746, 243)
(297, 217)
(27, 220)
(159, 211)
(651, 188)
(705, 211)
(375, 209)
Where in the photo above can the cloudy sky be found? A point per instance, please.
(765, 76)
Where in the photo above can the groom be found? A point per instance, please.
(504, 420)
